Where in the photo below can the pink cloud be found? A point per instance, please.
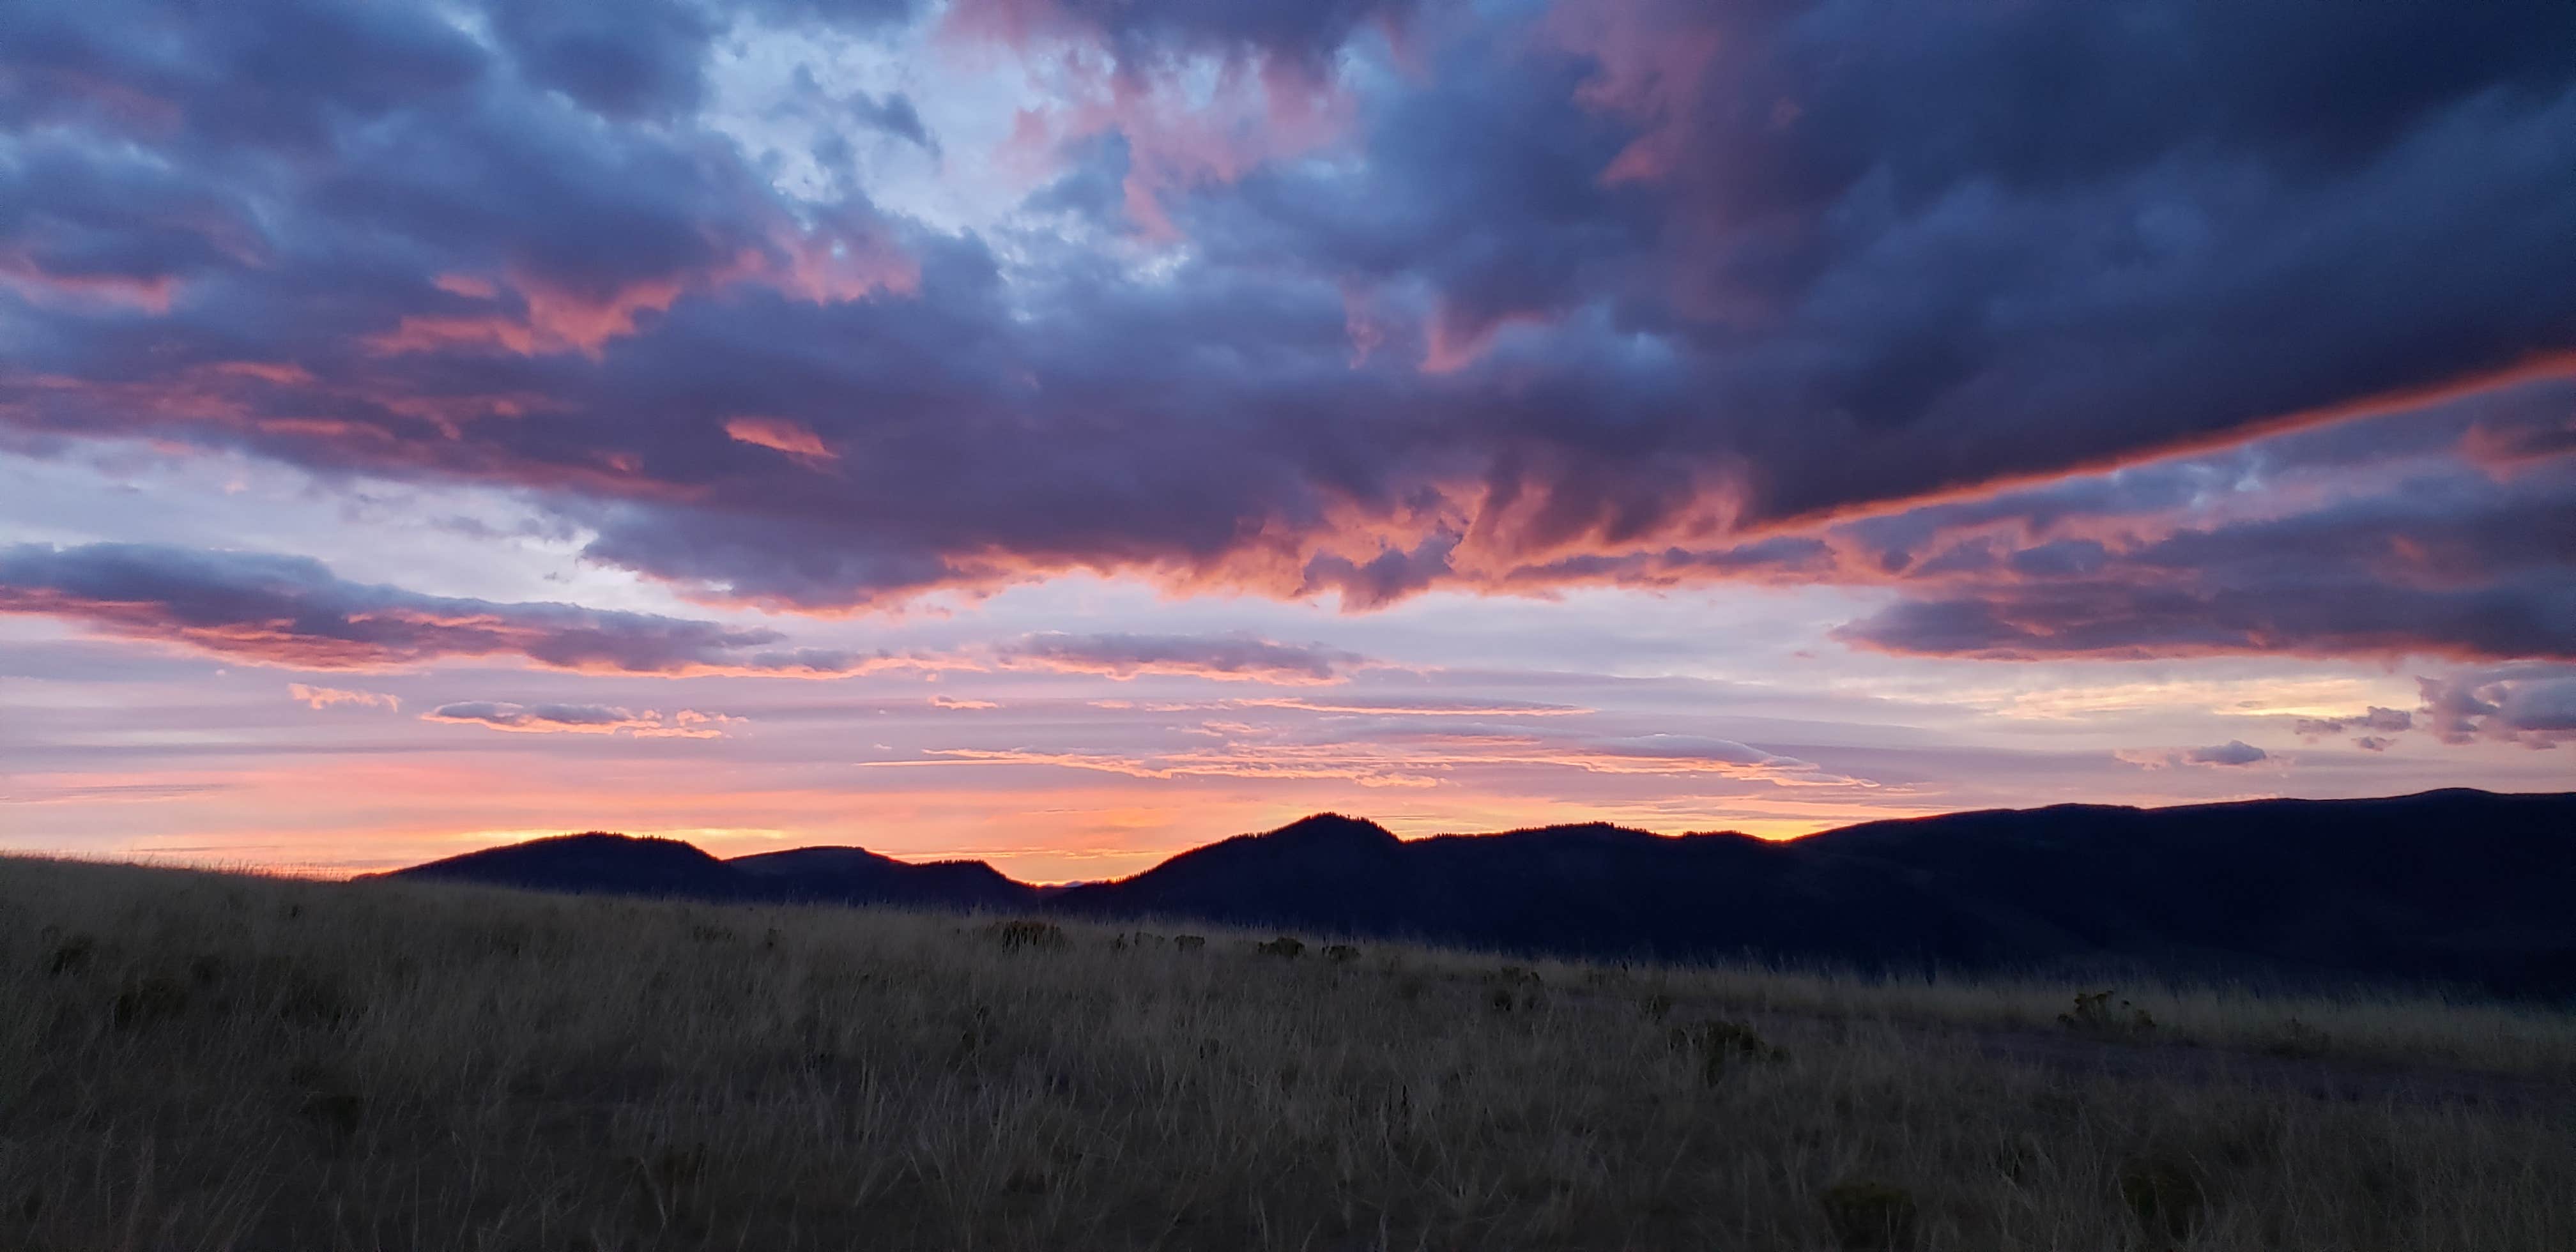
(780, 435)
(1188, 119)
(326, 697)
(25, 275)
(1652, 62)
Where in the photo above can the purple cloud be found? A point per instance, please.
(294, 613)
(1612, 293)
(2449, 563)
(589, 719)
(2535, 707)
(2385, 721)
(2233, 754)
(1222, 657)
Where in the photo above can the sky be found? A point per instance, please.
(1064, 432)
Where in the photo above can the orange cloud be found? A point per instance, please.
(780, 435)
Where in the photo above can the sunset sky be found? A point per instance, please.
(1067, 431)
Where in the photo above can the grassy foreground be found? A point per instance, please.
(193, 1060)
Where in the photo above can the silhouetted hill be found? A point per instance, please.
(594, 862)
(858, 876)
(604, 864)
(2453, 886)
(1592, 889)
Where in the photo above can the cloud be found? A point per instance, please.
(2385, 721)
(779, 436)
(2445, 561)
(1403, 751)
(325, 697)
(1695, 275)
(2534, 707)
(1226, 658)
(2233, 754)
(294, 613)
(966, 706)
(582, 719)
(1408, 708)
(1669, 749)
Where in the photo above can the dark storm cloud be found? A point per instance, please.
(292, 612)
(1579, 295)
(1307, 31)
(279, 73)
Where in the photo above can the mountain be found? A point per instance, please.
(598, 863)
(1594, 889)
(2457, 886)
(858, 876)
(594, 862)
(2453, 886)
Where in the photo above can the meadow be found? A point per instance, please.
(193, 1060)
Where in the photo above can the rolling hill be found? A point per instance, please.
(2461, 887)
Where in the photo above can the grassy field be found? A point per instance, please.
(191, 1060)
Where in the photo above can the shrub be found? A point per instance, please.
(1870, 1217)
(1341, 954)
(1513, 986)
(146, 1001)
(1283, 946)
(1026, 933)
(71, 955)
(1189, 943)
(1719, 1044)
(2093, 1015)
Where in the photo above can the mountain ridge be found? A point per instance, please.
(2451, 886)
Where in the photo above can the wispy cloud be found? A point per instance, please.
(582, 719)
(1398, 755)
(2233, 754)
(325, 697)
(1229, 658)
(294, 613)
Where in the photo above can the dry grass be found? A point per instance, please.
(201, 1061)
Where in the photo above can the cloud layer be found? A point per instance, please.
(293, 612)
(581, 719)
(1237, 657)
(1351, 299)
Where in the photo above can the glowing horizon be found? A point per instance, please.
(1063, 434)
